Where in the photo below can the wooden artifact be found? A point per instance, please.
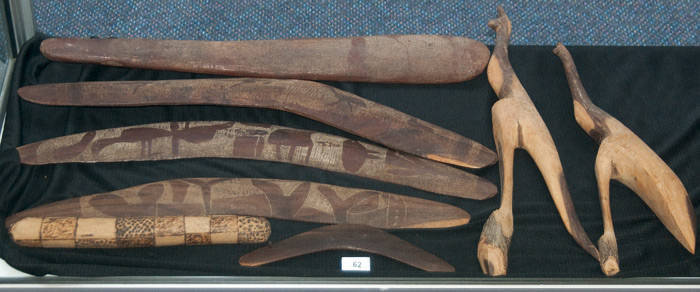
(280, 199)
(317, 101)
(388, 59)
(225, 139)
(517, 124)
(137, 231)
(624, 157)
(347, 237)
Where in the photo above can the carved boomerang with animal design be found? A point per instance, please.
(280, 199)
(225, 139)
(313, 100)
(517, 124)
(387, 59)
(624, 157)
(199, 211)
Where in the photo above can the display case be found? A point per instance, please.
(651, 89)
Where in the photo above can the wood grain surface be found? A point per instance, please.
(137, 231)
(323, 103)
(347, 237)
(624, 157)
(225, 139)
(386, 59)
(517, 124)
(281, 199)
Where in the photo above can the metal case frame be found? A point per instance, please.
(18, 26)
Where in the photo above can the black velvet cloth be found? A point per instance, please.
(654, 91)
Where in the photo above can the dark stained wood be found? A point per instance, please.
(347, 237)
(281, 199)
(313, 100)
(517, 124)
(140, 231)
(387, 59)
(624, 157)
(225, 139)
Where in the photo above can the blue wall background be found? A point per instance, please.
(639, 23)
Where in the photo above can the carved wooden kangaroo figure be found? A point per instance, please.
(517, 124)
(624, 157)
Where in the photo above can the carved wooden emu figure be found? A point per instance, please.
(626, 158)
(516, 124)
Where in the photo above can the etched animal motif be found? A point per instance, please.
(342, 206)
(70, 151)
(165, 141)
(144, 135)
(290, 204)
(281, 199)
(355, 154)
(249, 142)
(197, 134)
(292, 139)
(104, 202)
(205, 185)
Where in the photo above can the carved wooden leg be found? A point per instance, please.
(541, 149)
(492, 250)
(607, 244)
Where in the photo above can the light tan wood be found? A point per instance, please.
(624, 157)
(517, 124)
(138, 231)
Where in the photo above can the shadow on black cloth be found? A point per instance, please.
(654, 91)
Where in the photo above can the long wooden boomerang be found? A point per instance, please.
(225, 139)
(624, 157)
(280, 199)
(346, 237)
(386, 59)
(317, 101)
(517, 124)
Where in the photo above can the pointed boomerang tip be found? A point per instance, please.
(347, 237)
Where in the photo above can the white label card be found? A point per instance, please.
(355, 264)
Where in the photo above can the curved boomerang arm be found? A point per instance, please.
(624, 157)
(313, 100)
(176, 140)
(346, 237)
(517, 124)
(271, 198)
